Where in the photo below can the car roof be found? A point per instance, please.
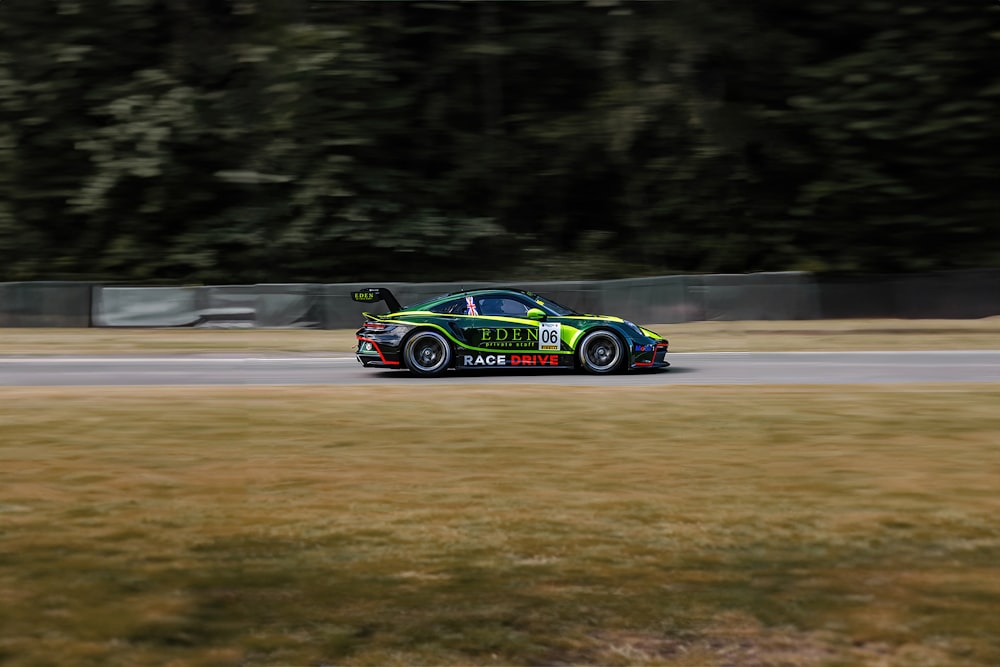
(489, 290)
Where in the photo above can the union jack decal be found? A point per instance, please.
(470, 307)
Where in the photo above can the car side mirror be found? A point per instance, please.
(536, 314)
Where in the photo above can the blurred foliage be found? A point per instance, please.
(271, 140)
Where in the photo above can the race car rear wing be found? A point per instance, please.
(376, 294)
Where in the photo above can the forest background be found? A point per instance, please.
(241, 141)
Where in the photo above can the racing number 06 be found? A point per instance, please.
(549, 334)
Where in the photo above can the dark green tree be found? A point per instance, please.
(260, 140)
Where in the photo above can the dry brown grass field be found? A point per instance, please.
(481, 525)
(695, 526)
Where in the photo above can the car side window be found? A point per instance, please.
(504, 307)
(450, 307)
(488, 306)
(491, 306)
(513, 308)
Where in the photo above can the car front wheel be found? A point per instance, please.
(601, 352)
(427, 354)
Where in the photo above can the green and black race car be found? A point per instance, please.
(500, 328)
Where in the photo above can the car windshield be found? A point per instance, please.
(558, 309)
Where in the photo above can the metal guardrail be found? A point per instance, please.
(650, 300)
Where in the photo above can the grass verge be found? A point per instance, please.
(684, 337)
(476, 525)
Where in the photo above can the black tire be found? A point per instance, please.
(427, 354)
(601, 352)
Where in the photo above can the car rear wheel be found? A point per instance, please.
(601, 352)
(427, 353)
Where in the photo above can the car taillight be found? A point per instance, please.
(375, 326)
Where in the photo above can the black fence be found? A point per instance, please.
(46, 304)
(946, 295)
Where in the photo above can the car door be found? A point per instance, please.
(501, 334)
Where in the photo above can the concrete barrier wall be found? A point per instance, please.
(650, 300)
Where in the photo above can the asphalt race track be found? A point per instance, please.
(687, 368)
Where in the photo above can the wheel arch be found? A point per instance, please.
(422, 329)
(626, 355)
